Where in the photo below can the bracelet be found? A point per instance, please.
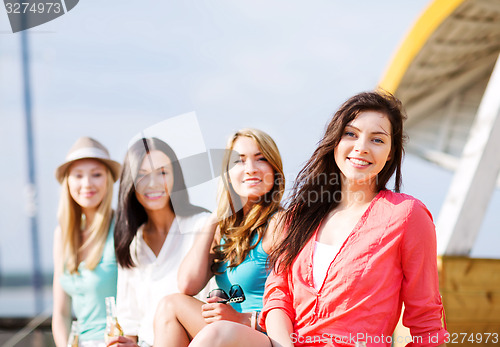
(257, 326)
(254, 321)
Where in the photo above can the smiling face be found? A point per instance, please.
(364, 149)
(87, 182)
(251, 175)
(154, 181)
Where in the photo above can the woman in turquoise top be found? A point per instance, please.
(251, 275)
(233, 245)
(85, 270)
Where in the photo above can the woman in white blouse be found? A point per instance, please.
(154, 231)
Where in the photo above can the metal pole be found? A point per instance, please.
(31, 187)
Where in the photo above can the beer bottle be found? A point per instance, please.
(73, 335)
(112, 327)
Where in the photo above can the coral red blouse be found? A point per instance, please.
(389, 258)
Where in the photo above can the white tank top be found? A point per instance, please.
(322, 258)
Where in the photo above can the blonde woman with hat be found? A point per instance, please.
(85, 270)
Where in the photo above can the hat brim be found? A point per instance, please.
(114, 166)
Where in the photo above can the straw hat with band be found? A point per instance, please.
(88, 148)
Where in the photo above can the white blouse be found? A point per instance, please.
(140, 288)
(322, 258)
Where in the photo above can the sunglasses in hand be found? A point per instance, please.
(235, 294)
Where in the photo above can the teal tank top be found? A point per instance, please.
(88, 289)
(251, 275)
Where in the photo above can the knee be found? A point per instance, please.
(217, 334)
(167, 308)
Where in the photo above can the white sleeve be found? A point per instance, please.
(194, 224)
(128, 311)
(200, 221)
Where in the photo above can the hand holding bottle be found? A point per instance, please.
(113, 329)
(121, 341)
(73, 335)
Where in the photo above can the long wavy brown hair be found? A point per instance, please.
(317, 188)
(238, 229)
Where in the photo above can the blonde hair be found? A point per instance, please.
(238, 229)
(70, 222)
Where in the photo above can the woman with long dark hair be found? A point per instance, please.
(155, 228)
(355, 251)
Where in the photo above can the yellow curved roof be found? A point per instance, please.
(433, 16)
(440, 72)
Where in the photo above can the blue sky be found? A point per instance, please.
(110, 69)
